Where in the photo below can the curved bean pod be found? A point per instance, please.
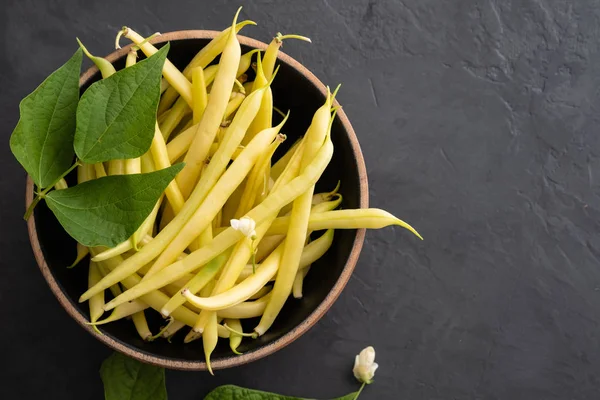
(126, 245)
(97, 301)
(215, 109)
(199, 94)
(141, 325)
(105, 66)
(264, 117)
(82, 251)
(273, 49)
(234, 339)
(180, 144)
(161, 161)
(370, 218)
(247, 309)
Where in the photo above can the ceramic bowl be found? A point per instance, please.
(295, 88)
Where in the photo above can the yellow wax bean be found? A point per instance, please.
(264, 117)
(370, 218)
(173, 117)
(147, 163)
(97, 301)
(161, 161)
(273, 49)
(100, 171)
(123, 247)
(213, 115)
(179, 145)
(141, 325)
(105, 66)
(232, 106)
(114, 289)
(209, 340)
(247, 309)
(123, 311)
(133, 166)
(82, 251)
(234, 339)
(199, 94)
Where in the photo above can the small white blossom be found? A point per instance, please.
(245, 225)
(365, 365)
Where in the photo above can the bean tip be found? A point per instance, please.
(124, 30)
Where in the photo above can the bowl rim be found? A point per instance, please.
(287, 338)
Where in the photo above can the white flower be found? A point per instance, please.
(245, 225)
(365, 365)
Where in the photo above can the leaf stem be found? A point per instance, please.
(360, 390)
(43, 193)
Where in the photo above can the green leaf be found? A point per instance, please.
(232, 392)
(42, 139)
(127, 379)
(116, 115)
(349, 396)
(106, 211)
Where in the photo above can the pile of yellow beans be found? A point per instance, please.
(230, 237)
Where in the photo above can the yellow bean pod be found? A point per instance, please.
(213, 115)
(370, 218)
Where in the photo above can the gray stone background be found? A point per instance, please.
(478, 122)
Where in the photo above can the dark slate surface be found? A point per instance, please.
(478, 121)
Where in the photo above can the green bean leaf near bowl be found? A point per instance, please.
(125, 378)
(108, 210)
(116, 115)
(42, 140)
(232, 392)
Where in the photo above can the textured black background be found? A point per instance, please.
(478, 122)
